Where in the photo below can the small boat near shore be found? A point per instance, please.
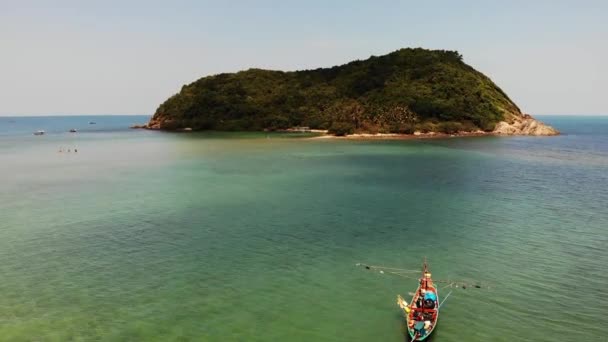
(73, 130)
(40, 132)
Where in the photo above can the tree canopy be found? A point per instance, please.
(404, 90)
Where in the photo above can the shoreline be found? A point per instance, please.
(522, 126)
(398, 136)
(324, 135)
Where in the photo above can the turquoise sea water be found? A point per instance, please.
(150, 236)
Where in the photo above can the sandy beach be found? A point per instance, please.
(397, 136)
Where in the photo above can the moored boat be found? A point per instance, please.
(41, 132)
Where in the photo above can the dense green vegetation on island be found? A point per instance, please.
(404, 91)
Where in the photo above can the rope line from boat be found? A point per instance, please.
(450, 285)
(444, 299)
(387, 268)
(400, 275)
(409, 274)
(460, 283)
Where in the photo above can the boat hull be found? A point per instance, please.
(432, 313)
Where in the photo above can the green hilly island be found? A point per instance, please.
(406, 91)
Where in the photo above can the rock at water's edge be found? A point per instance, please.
(524, 125)
(153, 124)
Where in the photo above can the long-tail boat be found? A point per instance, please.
(423, 312)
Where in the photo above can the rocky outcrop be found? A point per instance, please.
(157, 124)
(154, 123)
(139, 126)
(524, 125)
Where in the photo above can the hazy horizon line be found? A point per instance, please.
(126, 114)
(47, 115)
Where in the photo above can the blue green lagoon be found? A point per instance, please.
(152, 236)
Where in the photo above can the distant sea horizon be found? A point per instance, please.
(150, 115)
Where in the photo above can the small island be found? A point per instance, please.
(414, 92)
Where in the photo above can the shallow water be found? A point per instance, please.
(232, 237)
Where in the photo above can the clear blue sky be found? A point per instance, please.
(126, 57)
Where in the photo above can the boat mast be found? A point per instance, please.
(424, 272)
